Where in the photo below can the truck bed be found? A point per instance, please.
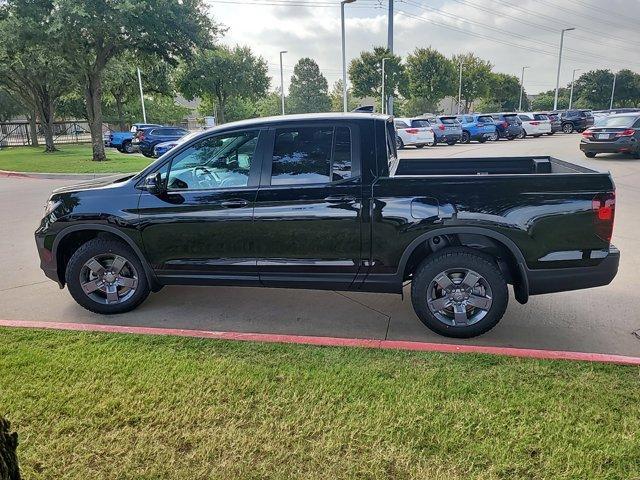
(485, 166)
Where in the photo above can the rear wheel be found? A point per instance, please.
(537, 136)
(420, 146)
(451, 142)
(482, 140)
(431, 144)
(550, 133)
(127, 147)
(567, 128)
(106, 276)
(459, 292)
(494, 137)
(522, 134)
(589, 154)
(466, 138)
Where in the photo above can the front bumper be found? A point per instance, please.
(564, 279)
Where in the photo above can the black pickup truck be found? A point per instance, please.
(323, 202)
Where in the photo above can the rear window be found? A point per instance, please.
(485, 119)
(400, 124)
(448, 120)
(539, 116)
(618, 122)
(512, 119)
(419, 123)
(525, 117)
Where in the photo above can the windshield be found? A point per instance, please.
(618, 122)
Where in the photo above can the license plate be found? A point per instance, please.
(603, 136)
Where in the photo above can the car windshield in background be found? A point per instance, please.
(618, 122)
(449, 120)
(419, 123)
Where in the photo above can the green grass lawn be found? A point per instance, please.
(92, 405)
(69, 159)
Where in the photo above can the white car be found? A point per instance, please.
(535, 124)
(415, 132)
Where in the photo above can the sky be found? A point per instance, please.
(510, 34)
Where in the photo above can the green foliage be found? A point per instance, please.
(503, 94)
(308, 91)
(431, 77)
(10, 106)
(593, 89)
(627, 92)
(544, 100)
(336, 98)
(270, 105)
(365, 74)
(476, 77)
(223, 74)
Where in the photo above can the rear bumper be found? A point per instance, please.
(621, 145)
(565, 279)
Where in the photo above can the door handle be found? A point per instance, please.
(340, 199)
(238, 203)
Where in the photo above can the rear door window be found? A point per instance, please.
(419, 123)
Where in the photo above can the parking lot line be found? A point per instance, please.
(331, 341)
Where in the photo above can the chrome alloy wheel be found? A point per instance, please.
(459, 297)
(108, 279)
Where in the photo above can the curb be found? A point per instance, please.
(55, 176)
(332, 341)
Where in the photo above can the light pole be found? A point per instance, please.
(390, 48)
(383, 99)
(573, 79)
(282, 81)
(144, 112)
(521, 88)
(460, 88)
(613, 90)
(344, 57)
(555, 99)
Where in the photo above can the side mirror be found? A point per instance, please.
(153, 183)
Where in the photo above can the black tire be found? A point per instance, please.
(551, 133)
(537, 136)
(451, 142)
(636, 154)
(459, 258)
(127, 147)
(590, 154)
(399, 143)
(511, 137)
(120, 149)
(567, 128)
(482, 140)
(106, 247)
(420, 146)
(466, 138)
(522, 135)
(432, 144)
(147, 154)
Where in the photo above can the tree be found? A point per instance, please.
(222, 74)
(593, 89)
(93, 32)
(337, 101)
(270, 105)
(365, 74)
(9, 106)
(476, 77)
(504, 94)
(309, 90)
(430, 78)
(627, 92)
(544, 101)
(29, 68)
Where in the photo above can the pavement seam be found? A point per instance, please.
(25, 285)
(368, 308)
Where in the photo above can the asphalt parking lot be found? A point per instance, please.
(603, 320)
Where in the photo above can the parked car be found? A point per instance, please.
(508, 124)
(534, 124)
(576, 120)
(322, 201)
(446, 128)
(619, 133)
(415, 132)
(147, 138)
(477, 127)
(556, 123)
(122, 140)
(162, 148)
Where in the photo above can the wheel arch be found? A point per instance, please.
(420, 248)
(74, 236)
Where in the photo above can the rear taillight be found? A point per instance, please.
(604, 209)
(441, 127)
(412, 131)
(587, 134)
(535, 124)
(626, 133)
(140, 135)
(505, 124)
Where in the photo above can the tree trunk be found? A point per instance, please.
(9, 469)
(33, 130)
(93, 97)
(46, 120)
(120, 114)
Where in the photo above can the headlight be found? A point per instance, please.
(50, 206)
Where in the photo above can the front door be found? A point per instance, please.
(201, 226)
(309, 207)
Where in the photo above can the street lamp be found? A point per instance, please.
(521, 88)
(573, 79)
(383, 99)
(460, 88)
(282, 81)
(555, 99)
(144, 112)
(344, 57)
(613, 89)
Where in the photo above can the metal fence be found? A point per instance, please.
(18, 134)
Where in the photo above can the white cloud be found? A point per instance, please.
(306, 31)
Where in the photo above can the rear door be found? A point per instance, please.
(309, 206)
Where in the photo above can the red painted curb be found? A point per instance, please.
(332, 341)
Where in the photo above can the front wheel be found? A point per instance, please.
(106, 276)
(522, 134)
(567, 128)
(466, 138)
(127, 147)
(459, 292)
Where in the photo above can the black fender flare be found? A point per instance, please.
(521, 290)
(151, 277)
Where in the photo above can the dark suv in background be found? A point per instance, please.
(147, 138)
(508, 125)
(576, 120)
